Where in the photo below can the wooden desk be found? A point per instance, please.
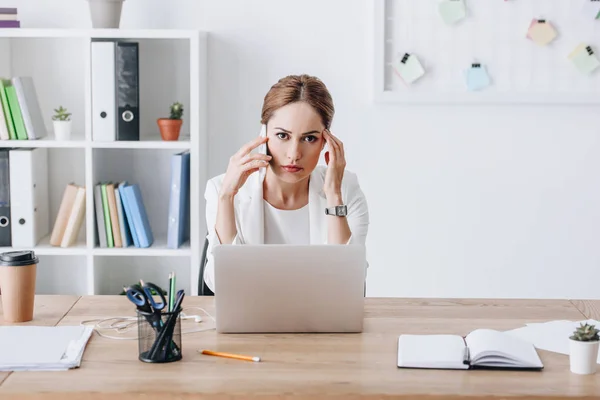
(310, 366)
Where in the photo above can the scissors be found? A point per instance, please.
(142, 297)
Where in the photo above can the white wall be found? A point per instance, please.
(464, 201)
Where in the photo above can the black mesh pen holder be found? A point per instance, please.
(159, 336)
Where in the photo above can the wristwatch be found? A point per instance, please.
(339, 211)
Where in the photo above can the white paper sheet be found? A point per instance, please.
(552, 335)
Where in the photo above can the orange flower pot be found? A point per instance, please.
(169, 128)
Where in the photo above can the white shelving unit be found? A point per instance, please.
(173, 67)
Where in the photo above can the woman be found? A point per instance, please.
(291, 200)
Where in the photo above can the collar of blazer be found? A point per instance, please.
(251, 211)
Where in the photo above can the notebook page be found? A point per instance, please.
(431, 351)
(488, 341)
(30, 345)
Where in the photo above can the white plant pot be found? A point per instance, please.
(105, 13)
(62, 130)
(583, 356)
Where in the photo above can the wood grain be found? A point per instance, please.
(48, 311)
(344, 366)
(589, 308)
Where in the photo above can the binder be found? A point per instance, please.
(107, 221)
(103, 91)
(135, 203)
(4, 134)
(30, 108)
(12, 134)
(15, 111)
(125, 234)
(5, 218)
(128, 214)
(102, 241)
(127, 77)
(28, 196)
(179, 201)
(114, 216)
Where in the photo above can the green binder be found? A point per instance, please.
(15, 110)
(107, 222)
(7, 114)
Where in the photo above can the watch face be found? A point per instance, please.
(340, 210)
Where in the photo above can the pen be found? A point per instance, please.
(229, 355)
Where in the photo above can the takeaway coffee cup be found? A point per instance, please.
(17, 285)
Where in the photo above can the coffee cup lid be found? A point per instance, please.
(18, 258)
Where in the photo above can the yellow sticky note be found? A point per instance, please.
(452, 11)
(584, 59)
(541, 32)
(409, 68)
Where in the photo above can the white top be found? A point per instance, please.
(286, 226)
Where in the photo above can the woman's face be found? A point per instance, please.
(295, 141)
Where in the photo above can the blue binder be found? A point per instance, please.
(135, 203)
(178, 226)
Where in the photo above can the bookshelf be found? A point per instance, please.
(173, 67)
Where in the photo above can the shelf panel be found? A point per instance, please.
(98, 33)
(81, 144)
(158, 248)
(148, 142)
(48, 141)
(44, 248)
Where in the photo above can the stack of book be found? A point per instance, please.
(70, 216)
(20, 114)
(121, 217)
(8, 18)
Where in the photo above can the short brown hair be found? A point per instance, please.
(293, 88)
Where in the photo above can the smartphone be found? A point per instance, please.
(262, 149)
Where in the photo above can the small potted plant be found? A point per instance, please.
(62, 123)
(584, 349)
(170, 127)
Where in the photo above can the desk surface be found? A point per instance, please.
(345, 366)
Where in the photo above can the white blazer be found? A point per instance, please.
(249, 212)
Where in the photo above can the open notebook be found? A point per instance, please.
(482, 348)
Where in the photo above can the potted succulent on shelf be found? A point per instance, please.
(584, 349)
(62, 123)
(105, 13)
(170, 127)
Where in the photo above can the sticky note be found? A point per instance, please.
(477, 77)
(584, 59)
(409, 68)
(591, 9)
(452, 11)
(541, 32)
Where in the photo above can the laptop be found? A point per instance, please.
(289, 288)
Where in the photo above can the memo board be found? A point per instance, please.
(494, 34)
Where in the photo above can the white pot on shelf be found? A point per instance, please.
(583, 356)
(105, 13)
(62, 130)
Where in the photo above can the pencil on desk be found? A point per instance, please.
(229, 355)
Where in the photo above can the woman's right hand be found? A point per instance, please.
(243, 164)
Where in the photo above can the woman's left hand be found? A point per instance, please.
(336, 163)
